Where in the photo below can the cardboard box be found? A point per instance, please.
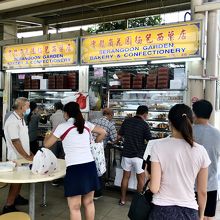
(132, 184)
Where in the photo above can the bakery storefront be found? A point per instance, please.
(44, 72)
(144, 67)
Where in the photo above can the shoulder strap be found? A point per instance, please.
(66, 132)
(87, 129)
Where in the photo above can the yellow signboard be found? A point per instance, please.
(42, 54)
(172, 41)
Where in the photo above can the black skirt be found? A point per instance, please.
(173, 213)
(81, 179)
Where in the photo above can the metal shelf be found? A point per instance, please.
(157, 90)
(150, 110)
(156, 119)
(160, 129)
(47, 90)
(145, 100)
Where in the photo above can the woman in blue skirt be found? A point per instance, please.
(81, 175)
(177, 162)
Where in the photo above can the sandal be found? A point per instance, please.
(121, 203)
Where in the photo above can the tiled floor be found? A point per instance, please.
(107, 207)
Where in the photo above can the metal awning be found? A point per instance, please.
(32, 15)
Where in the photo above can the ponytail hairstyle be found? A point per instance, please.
(33, 106)
(181, 118)
(73, 111)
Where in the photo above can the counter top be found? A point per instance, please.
(26, 176)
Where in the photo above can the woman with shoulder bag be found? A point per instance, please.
(177, 162)
(81, 178)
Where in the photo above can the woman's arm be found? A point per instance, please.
(155, 177)
(101, 134)
(202, 179)
(50, 140)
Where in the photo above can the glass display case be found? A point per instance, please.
(159, 101)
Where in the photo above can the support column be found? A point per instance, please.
(7, 32)
(195, 68)
(45, 29)
(212, 59)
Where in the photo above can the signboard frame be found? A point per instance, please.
(199, 41)
(75, 55)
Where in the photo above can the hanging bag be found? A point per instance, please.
(97, 150)
(141, 204)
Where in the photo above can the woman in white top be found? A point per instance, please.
(176, 163)
(81, 178)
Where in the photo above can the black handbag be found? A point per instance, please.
(141, 204)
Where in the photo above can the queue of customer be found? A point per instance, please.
(184, 158)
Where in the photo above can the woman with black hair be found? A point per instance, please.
(32, 121)
(81, 178)
(176, 163)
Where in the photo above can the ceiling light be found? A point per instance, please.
(176, 60)
(120, 64)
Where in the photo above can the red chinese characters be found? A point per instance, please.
(54, 49)
(171, 35)
(110, 42)
(33, 50)
(40, 50)
(138, 39)
(68, 48)
(182, 35)
(102, 43)
(60, 48)
(46, 49)
(118, 43)
(93, 43)
(148, 38)
(160, 37)
(128, 40)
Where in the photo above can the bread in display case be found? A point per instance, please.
(125, 102)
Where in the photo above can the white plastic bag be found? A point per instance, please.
(7, 166)
(44, 162)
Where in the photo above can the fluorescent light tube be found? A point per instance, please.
(120, 64)
(176, 60)
(64, 68)
(34, 70)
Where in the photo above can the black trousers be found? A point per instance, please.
(34, 146)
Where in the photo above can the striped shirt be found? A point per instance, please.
(135, 132)
(109, 128)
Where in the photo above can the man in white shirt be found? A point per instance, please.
(17, 141)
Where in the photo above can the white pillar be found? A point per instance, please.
(7, 32)
(195, 68)
(212, 59)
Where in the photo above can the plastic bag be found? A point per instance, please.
(44, 162)
(81, 100)
(97, 150)
(7, 166)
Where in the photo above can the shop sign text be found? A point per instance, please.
(43, 54)
(173, 41)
